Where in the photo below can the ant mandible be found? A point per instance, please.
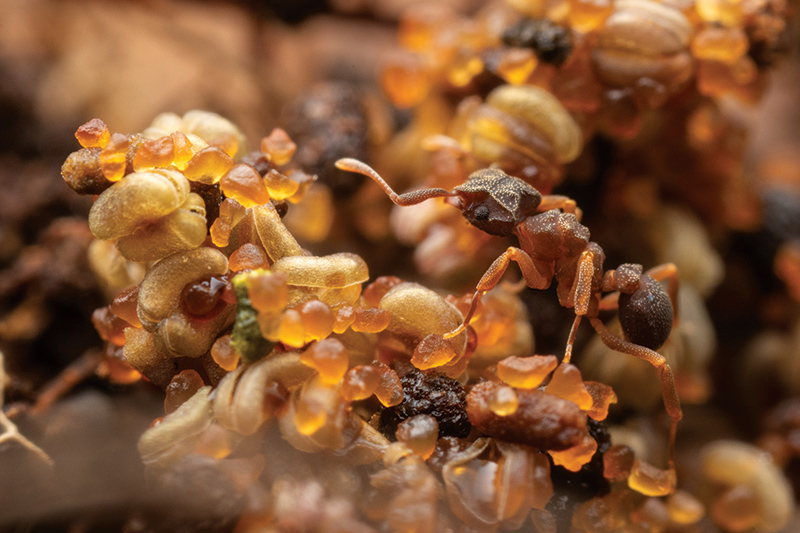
(555, 245)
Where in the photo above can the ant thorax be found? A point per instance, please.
(552, 235)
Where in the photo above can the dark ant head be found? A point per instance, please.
(495, 202)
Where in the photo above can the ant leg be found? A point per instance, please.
(558, 201)
(669, 272)
(609, 302)
(582, 293)
(668, 392)
(492, 276)
(582, 296)
(409, 198)
(571, 340)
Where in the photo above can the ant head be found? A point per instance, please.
(495, 202)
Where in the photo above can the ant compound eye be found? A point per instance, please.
(481, 212)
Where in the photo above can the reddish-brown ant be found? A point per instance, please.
(555, 245)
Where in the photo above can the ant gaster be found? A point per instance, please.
(555, 245)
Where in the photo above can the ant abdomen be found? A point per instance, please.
(646, 314)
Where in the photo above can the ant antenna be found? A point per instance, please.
(409, 198)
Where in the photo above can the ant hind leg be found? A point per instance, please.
(668, 391)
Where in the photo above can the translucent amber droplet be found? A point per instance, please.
(433, 351)
(684, 509)
(304, 181)
(278, 147)
(93, 134)
(329, 358)
(124, 305)
(182, 147)
(308, 418)
(310, 407)
(526, 372)
(463, 69)
(118, 371)
(244, 184)
(269, 326)
(737, 509)
(291, 330)
(567, 384)
(587, 15)
(516, 65)
(154, 153)
(390, 389)
(359, 383)
(405, 80)
(208, 165)
(726, 12)
(744, 70)
(574, 458)
(720, 44)
(420, 434)
(704, 127)
(418, 26)
(602, 398)
(375, 291)
(223, 353)
(618, 463)
(109, 326)
(231, 213)
(370, 320)
(181, 388)
(248, 256)
(317, 319)
(269, 292)
(503, 401)
(279, 186)
(312, 219)
(651, 481)
(343, 317)
(113, 157)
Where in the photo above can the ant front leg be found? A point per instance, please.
(558, 201)
(582, 292)
(668, 391)
(489, 280)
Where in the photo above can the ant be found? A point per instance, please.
(555, 245)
